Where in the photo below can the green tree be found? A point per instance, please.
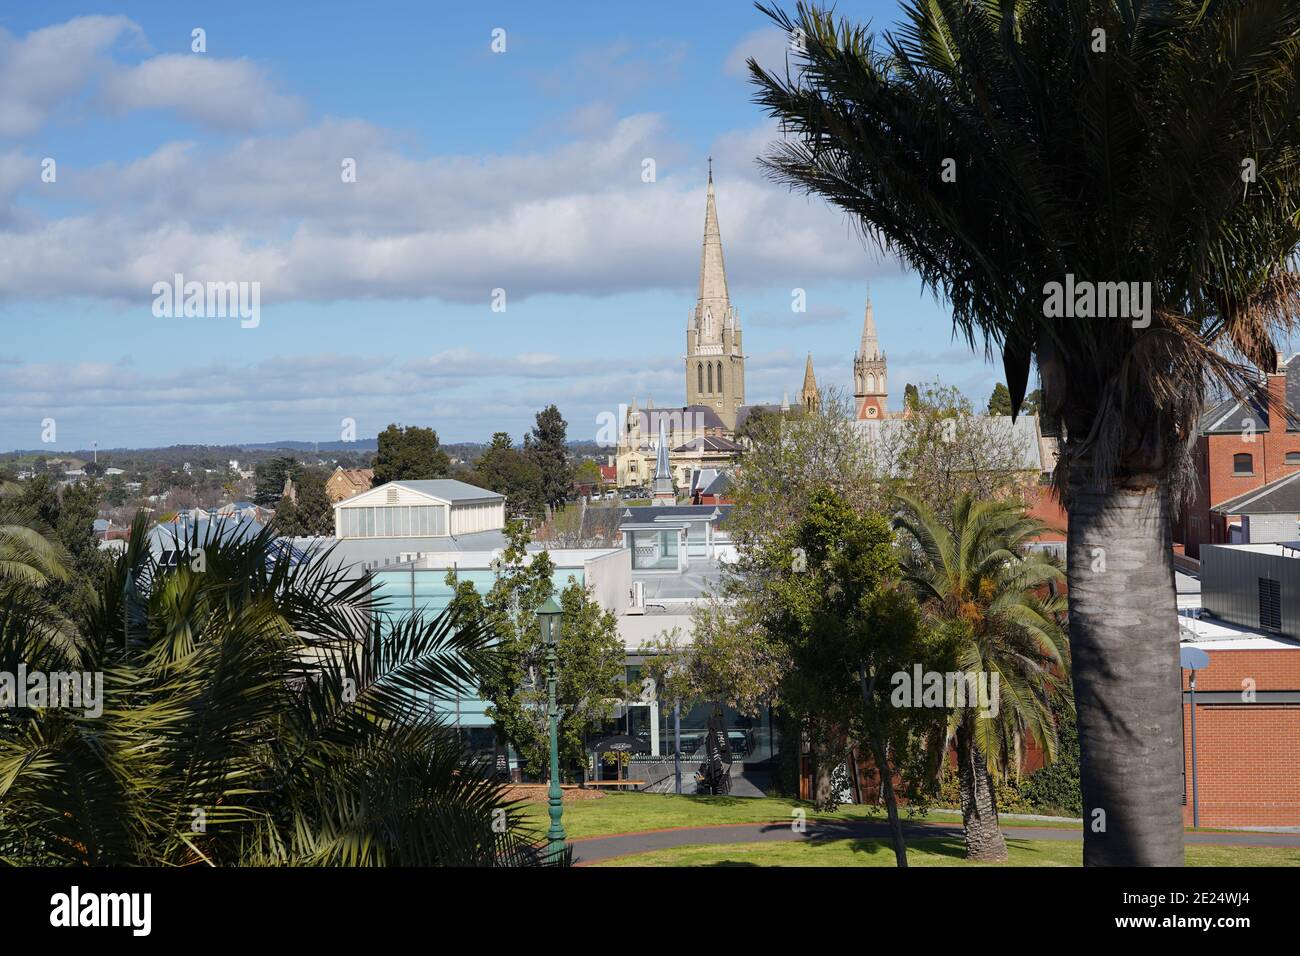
(910, 396)
(409, 454)
(547, 446)
(589, 654)
(254, 718)
(269, 478)
(846, 625)
(1005, 150)
(984, 592)
(312, 513)
(1000, 400)
(507, 471)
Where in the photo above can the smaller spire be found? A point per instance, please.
(664, 491)
(710, 169)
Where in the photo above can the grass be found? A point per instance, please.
(938, 851)
(635, 812)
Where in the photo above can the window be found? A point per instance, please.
(710, 377)
(1243, 464)
(1270, 605)
(699, 372)
(1293, 458)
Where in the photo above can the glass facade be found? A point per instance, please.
(425, 591)
(751, 738)
(394, 521)
(655, 550)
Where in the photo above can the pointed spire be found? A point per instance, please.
(869, 348)
(661, 458)
(665, 493)
(713, 298)
(785, 400)
(808, 395)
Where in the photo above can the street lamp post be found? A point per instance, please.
(549, 616)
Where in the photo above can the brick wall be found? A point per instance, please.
(1215, 470)
(1248, 755)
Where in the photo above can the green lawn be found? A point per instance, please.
(925, 852)
(634, 812)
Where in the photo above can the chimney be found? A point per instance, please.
(1278, 413)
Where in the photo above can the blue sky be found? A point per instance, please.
(475, 171)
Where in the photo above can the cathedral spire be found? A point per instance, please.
(808, 394)
(713, 298)
(869, 348)
(870, 371)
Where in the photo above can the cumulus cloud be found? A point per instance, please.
(49, 67)
(572, 218)
(222, 94)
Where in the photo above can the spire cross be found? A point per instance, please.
(710, 169)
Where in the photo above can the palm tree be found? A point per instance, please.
(1000, 146)
(259, 707)
(985, 593)
(28, 557)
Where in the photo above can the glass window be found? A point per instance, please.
(370, 522)
(1293, 458)
(1243, 464)
(404, 514)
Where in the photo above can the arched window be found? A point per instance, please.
(699, 371)
(871, 383)
(1243, 464)
(710, 377)
(719, 376)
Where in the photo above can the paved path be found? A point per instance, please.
(595, 849)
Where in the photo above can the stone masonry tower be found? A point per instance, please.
(715, 361)
(870, 388)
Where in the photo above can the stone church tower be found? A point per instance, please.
(870, 388)
(715, 361)
(808, 396)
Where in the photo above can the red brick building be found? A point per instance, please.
(1241, 446)
(1247, 752)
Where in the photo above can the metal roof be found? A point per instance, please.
(1280, 496)
(448, 489)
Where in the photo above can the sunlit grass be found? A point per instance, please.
(938, 851)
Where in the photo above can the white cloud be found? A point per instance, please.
(768, 46)
(574, 218)
(49, 67)
(222, 94)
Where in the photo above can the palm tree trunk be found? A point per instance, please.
(979, 805)
(1124, 651)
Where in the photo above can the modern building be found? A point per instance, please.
(1245, 619)
(408, 536)
(420, 510)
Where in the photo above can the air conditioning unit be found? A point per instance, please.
(637, 597)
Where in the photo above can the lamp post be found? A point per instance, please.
(548, 615)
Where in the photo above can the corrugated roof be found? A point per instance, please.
(448, 489)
